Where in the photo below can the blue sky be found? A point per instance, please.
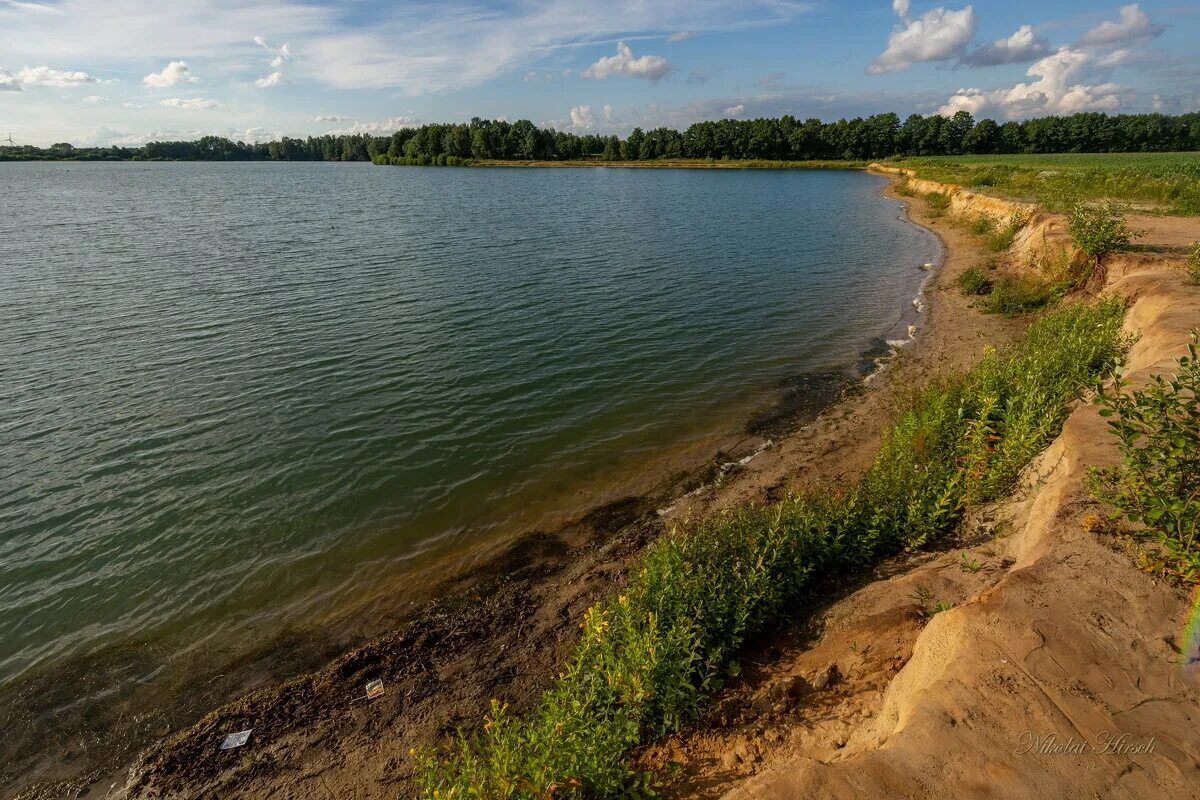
(125, 71)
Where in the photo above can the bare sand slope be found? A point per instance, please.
(1057, 673)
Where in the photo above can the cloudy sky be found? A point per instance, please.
(124, 71)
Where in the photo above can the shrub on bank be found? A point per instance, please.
(1193, 264)
(1157, 482)
(648, 659)
(974, 281)
(1099, 228)
(1021, 294)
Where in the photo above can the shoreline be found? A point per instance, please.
(525, 575)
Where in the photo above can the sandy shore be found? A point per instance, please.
(501, 628)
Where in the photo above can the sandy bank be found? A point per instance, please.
(1057, 672)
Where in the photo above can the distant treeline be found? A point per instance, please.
(785, 138)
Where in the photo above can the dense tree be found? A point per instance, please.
(879, 136)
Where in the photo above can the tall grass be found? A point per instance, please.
(648, 659)
(1168, 181)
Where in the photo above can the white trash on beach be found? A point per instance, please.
(374, 689)
(236, 739)
(928, 266)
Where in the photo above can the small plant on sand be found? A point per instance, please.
(968, 564)
(1157, 482)
(1099, 228)
(927, 605)
(1193, 264)
(975, 281)
(1021, 294)
(983, 225)
(1003, 238)
(937, 202)
(904, 188)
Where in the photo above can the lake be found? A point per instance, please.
(236, 396)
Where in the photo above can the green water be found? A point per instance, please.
(233, 396)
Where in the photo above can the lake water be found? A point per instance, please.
(234, 396)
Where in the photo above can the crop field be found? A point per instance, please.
(1165, 183)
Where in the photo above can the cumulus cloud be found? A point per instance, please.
(735, 111)
(1060, 88)
(1134, 24)
(44, 76)
(8, 82)
(651, 68)
(172, 74)
(1022, 47)
(190, 104)
(937, 35)
(94, 99)
(329, 118)
(266, 81)
(582, 118)
(386, 126)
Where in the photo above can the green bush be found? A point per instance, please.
(1157, 482)
(983, 226)
(1193, 264)
(1003, 238)
(648, 659)
(938, 202)
(1099, 228)
(974, 281)
(1021, 294)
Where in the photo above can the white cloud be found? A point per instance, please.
(190, 104)
(37, 8)
(386, 126)
(1133, 25)
(279, 55)
(1023, 46)
(95, 99)
(44, 76)
(582, 118)
(1060, 88)
(681, 36)
(172, 74)
(8, 81)
(266, 81)
(329, 118)
(938, 35)
(735, 111)
(650, 68)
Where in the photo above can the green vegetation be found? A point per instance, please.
(1020, 294)
(1003, 236)
(1157, 482)
(937, 203)
(1099, 228)
(785, 139)
(1165, 182)
(1193, 264)
(647, 660)
(975, 281)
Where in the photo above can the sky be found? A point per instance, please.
(129, 71)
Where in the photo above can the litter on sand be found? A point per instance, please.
(374, 689)
(236, 739)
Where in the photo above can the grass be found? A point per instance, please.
(975, 281)
(1167, 183)
(937, 203)
(1193, 264)
(647, 660)
(1020, 294)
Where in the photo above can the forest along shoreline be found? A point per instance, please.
(91, 746)
(502, 628)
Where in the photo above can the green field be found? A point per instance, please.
(1165, 183)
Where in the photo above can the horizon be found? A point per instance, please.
(121, 75)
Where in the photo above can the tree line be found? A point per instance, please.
(783, 138)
